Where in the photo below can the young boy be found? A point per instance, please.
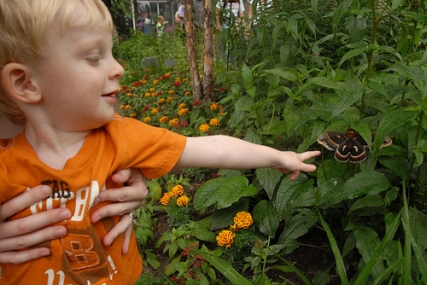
(59, 77)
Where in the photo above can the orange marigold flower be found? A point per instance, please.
(204, 128)
(154, 94)
(155, 82)
(147, 94)
(182, 112)
(243, 220)
(154, 111)
(144, 81)
(171, 92)
(163, 119)
(135, 95)
(152, 90)
(182, 105)
(122, 106)
(187, 93)
(214, 122)
(185, 80)
(133, 115)
(165, 199)
(182, 201)
(127, 107)
(174, 122)
(162, 100)
(177, 79)
(170, 99)
(133, 88)
(147, 119)
(177, 190)
(225, 237)
(213, 106)
(129, 94)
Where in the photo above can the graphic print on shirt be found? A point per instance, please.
(82, 257)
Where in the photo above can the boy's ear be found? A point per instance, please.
(17, 81)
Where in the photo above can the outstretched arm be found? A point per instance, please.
(232, 153)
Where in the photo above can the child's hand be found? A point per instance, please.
(294, 162)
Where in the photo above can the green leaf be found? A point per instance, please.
(152, 259)
(222, 192)
(269, 178)
(390, 122)
(365, 202)
(286, 74)
(299, 224)
(223, 218)
(266, 218)
(340, 267)
(170, 268)
(350, 54)
(246, 75)
(203, 234)
(349, 91)
(364, 183)
(224, 267)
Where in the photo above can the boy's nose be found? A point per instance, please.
(117, 70)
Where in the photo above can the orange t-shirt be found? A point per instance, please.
(80, 257)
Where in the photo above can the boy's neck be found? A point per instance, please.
(52, 146)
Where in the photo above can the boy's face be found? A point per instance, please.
(78, 78)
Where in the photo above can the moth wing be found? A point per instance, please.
(331, 140)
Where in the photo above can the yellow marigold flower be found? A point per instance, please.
(129, 94)
(243, 220)
(163, 119)
(133, 115)
(214, 122)
(204, 128)
(171, 92)
(147, 94)
(165, 199)
(170, 99)
(187, 93)
(127, 107)
(152, 90)
(177, 79)
(182, 201)
(182, 112)
(213, 106)
(155, 82)
(225, 237)
(147, 119)
(154, 94)
(182, 105)
(122, 106)
(144, 81)
(162, 100)
(173, 122)
(185, 80)
(133, 88)
(177, 190)
(154, 111)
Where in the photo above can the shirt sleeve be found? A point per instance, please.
(155, 151)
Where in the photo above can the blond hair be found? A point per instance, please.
(23, 27)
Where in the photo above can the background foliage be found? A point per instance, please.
(313, 67)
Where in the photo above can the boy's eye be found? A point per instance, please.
(94, 58)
